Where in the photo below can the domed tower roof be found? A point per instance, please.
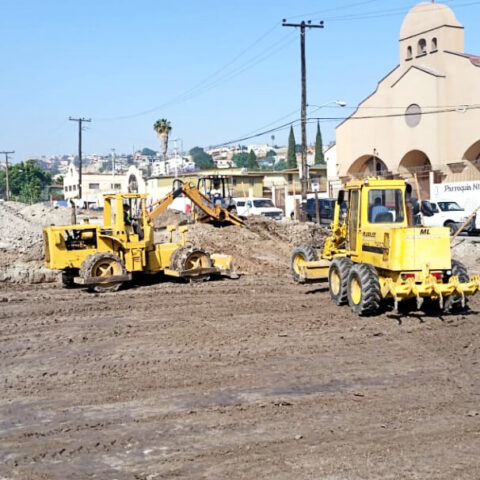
(427, 16)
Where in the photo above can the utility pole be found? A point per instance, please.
(7, 185)
(303, 25)
(113, 168)
(80, 121)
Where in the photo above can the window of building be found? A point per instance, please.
(422, 47)
(413, 115)
(409, 53)
(434, 45)
(93, 186)
(116, 186)
(252, 182)
(74, 187)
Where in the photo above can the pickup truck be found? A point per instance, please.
(448, 214)
(257, 206)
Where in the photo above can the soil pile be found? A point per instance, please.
(264, 245)
(21, 244)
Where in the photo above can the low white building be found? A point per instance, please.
(95, 185)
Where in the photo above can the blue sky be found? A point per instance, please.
(218, 70)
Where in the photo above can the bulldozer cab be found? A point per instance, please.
(124, 216)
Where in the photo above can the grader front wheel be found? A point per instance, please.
(102, 264)
(300, 255)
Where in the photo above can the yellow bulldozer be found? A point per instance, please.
(103, 257)
(377, 251)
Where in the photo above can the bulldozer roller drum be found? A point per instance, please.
(189, 258)
(338, 279)
(300, 255)
(363, 289)
(102, 264)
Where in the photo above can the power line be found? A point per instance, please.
(458, 109)
(204, 85)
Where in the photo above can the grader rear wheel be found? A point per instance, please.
(453, 303)
(102, 264)
(363, 289)
(300, 255)
(338, 279)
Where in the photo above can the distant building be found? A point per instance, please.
(95, 185)
(422, 120)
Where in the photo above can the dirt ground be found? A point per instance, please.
(255, 378)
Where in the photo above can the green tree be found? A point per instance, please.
(26, 181)
(271, 153)
(280, 165)
(291, 157)
(252, 162)
(148, 152)
(202, 160)
(240, 159)
(319, 157)
(162, 128)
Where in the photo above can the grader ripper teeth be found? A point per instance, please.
(103, 257)
(379, 252)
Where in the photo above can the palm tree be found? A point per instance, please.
(162, 128)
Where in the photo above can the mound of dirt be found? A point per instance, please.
(170, 217)
(264, 245)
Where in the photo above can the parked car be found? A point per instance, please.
(257, 206)
(326, 207)
(447, 214)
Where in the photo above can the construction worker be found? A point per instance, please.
(127, 219)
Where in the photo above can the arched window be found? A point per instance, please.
(409, 53)
(422, 47)
(434, 45)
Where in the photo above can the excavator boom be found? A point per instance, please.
(210, 213)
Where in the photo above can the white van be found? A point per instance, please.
(257, 206)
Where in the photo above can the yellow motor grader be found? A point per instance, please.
(103, 257)
(377, 252)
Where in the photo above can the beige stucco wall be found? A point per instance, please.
(437, 80)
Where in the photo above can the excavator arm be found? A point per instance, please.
(210, 213)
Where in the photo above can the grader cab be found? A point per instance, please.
(378, 253)
(103, 257)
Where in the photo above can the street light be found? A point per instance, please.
(339, 103)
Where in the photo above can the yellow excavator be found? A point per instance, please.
(205, 210)
(103, 257)
(378, 251)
